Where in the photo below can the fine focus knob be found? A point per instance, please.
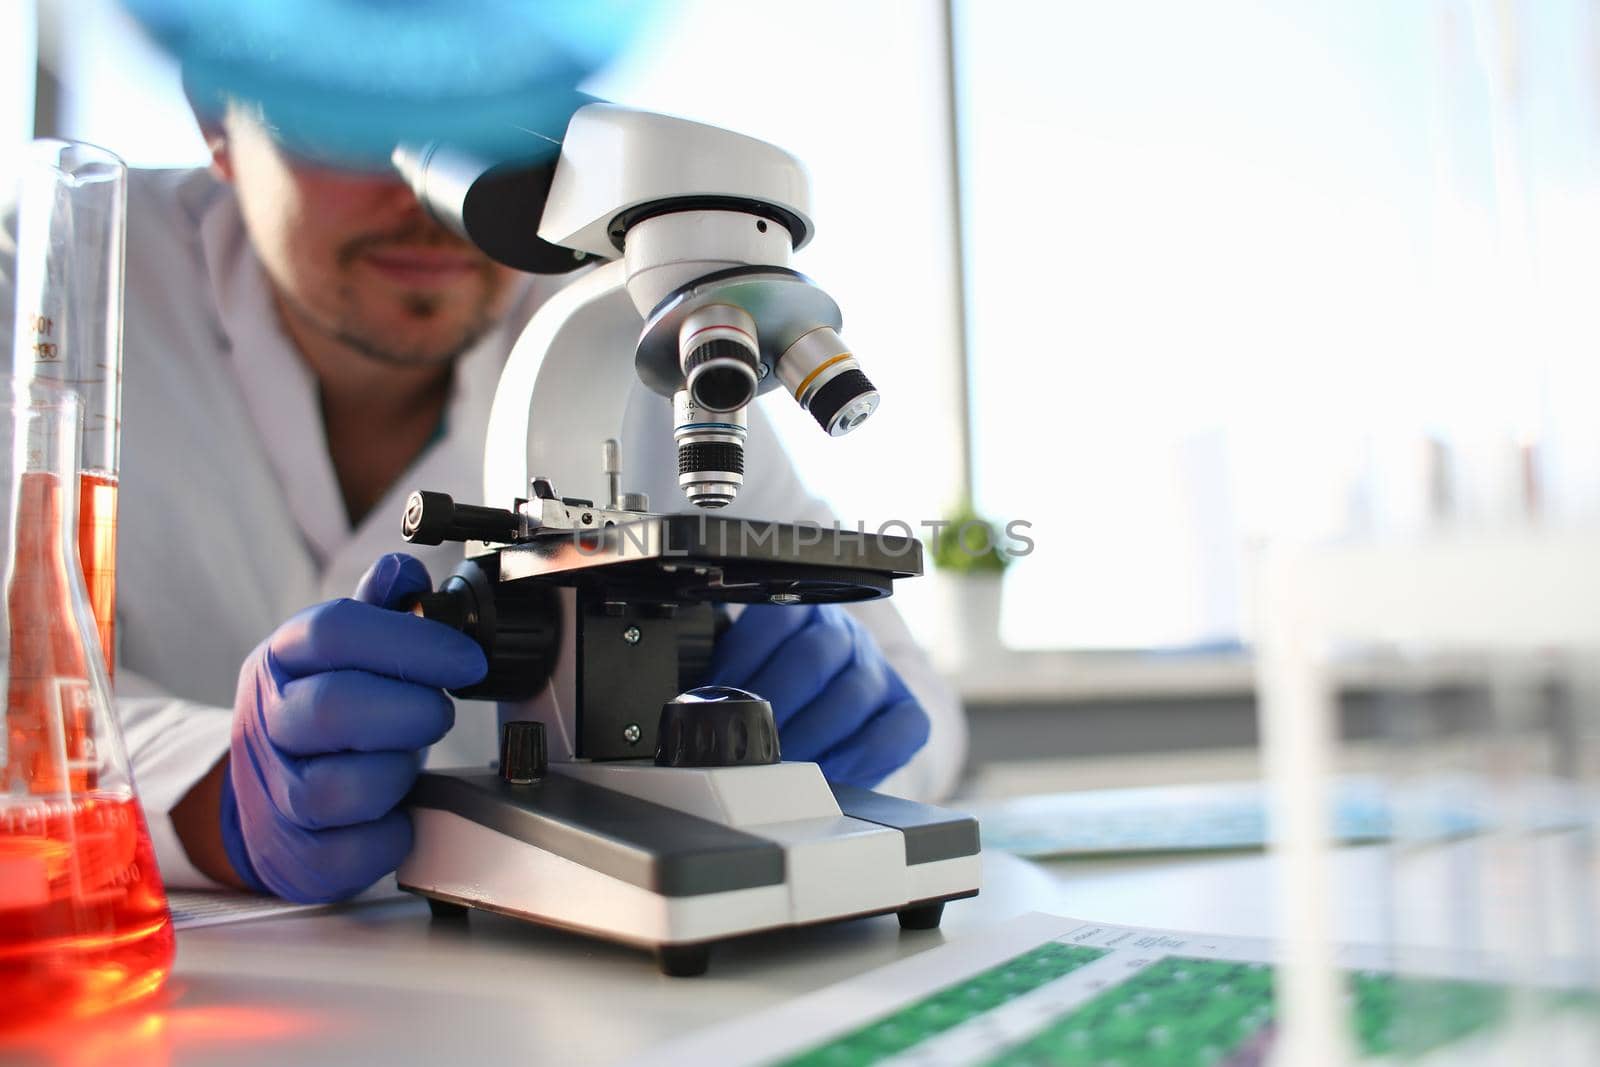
(716, 726)
(522, 753)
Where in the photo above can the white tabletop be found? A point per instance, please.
(382, 984)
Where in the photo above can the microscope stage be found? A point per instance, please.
(676, 858)
(701, 557)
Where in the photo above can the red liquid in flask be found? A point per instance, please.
(83, 919)
(97, 551)
(84, 924)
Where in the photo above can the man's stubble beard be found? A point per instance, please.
(351, 332)
(362, 338)
(419, 307)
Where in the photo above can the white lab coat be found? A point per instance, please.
(231, 519)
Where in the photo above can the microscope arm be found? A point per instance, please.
(564, 389)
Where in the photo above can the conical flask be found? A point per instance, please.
(84, 924)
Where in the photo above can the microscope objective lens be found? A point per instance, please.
(710, 451)
(718, 354)
(827, 380)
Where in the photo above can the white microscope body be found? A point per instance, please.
(584, 829)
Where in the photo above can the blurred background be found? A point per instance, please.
(1163, 281)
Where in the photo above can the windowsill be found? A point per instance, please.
(1072, 677)
(1010, 676)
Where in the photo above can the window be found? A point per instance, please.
(18, 61)
(118, 90)
(1250, 268)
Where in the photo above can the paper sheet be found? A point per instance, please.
(1047, 989)
(193, 908)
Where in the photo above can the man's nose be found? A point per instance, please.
(400, 209)
(396, 197)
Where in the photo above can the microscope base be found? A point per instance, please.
(569, 853)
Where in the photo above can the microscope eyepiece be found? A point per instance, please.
(826, 379)
(710, 451)
(719, 357)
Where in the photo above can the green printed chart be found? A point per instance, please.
(1182, 1012)
(949, 1008)
(1045, 989)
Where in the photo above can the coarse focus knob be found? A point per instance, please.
(716, 726)
(517, 624)
(522, 753)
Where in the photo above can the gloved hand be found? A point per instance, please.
(328, 723)
(836, 699)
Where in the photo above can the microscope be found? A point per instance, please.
(629, 804)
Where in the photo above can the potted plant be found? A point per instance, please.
(969, 563)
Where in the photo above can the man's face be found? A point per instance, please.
(354, 257)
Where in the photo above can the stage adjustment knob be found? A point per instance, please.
(522, 753)
(434, 518)
(716, 726)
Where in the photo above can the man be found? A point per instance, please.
(303, 346)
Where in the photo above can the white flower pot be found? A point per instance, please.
(965, 629)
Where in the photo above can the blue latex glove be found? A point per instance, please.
(837, 701)
(328, 723)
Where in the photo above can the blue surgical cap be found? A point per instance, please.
(347, 80)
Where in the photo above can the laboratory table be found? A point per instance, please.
(381, 983)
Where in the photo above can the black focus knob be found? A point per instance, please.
(716, 726)
(434, 518)
(522, 753)
(517, 624)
